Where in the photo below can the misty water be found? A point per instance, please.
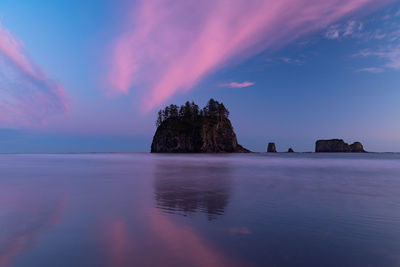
(200, 210)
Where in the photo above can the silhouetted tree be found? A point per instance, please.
(187, 110)
(159, 118)
(190, 111)
(173, 110)
(222, 111)
(210, 109)
(181, 111)
(167, 112)
(194, 110)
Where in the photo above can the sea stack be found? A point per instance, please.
(271, 148)
(357, 147)
(190, 130)
(290, 150)
(337, 146)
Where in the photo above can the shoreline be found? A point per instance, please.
(141, 152)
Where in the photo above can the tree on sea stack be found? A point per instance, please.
(189, 129)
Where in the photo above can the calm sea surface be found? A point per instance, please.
(200, 210)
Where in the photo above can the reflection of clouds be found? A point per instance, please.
(161, 241)
(27, 218)
(119, 244)
(184, 245)
(192, 187)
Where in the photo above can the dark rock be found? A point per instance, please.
(198, 132)
(271, 148)
(337, 145)
(290, 150)
(333, 145)
(357, 147)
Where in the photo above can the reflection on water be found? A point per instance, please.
(24, 221)
(192, 187)
(239, 210)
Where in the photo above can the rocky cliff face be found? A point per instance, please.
(199, 135)
(338, 145)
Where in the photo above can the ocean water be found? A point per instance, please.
(200, 210)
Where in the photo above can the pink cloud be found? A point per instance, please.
(27, 94)
(169, 46)
(238, 85)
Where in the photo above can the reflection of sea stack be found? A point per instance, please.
(271, 148)
(338, 145)
(190, 187)
(190, 130)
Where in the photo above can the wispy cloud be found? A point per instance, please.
(383, 42)
(298, 59)
(27, 94)
(371, 70)
(351, 28)
(333, 32)
(237, 85)
(378, 35)
(169, 46)
(390, 54)
(294, 61)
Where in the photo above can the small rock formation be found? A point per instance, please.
(190, 130)
(290, 150)
(337, 145)
(357, 147)
(271, 148)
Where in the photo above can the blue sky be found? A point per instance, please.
(340, 79)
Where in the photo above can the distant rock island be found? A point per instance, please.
(187, 129)
(271, 148)
(338, 145)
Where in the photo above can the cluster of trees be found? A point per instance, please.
(191, 111)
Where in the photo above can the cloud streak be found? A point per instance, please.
(371, 70)
(237, 85)
(351, 28)
(27, 94)
(169, 46)
(390, 54)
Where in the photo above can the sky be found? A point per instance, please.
(90, 76)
